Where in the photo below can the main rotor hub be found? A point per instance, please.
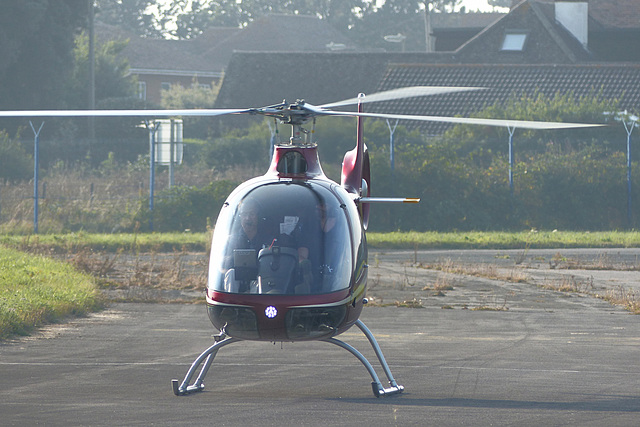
(296, 115)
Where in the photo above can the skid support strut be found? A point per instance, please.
(204, 361)
(207, 357)
(376, 385)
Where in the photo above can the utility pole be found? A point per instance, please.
(36, 151)
(628, 126)
(92, 72)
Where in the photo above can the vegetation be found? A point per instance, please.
(365, 21)
(504, 240)
(35, 290)
(191, 241)
(565, 180)
(14, 160)
(37, 51)
(195, 96)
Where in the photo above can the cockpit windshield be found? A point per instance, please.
(282, 238)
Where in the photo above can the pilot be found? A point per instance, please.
(250, 235)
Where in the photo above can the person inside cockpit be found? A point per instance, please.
(251, 233)
(244, 244)
(315, 262)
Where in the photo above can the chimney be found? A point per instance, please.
(574, 16)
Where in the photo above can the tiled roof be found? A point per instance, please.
(255, 79)
(615, 14)
(547, 40)
(451, 21)
(616, 81)
(211, 51)
(280, 33)
(155, 54)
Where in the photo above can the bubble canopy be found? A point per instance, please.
(283, 237)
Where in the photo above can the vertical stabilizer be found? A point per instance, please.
(356, 172)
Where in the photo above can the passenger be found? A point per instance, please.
(315, 263)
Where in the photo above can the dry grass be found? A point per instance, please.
(570, 284)
(103, 200)
(620, 296)
(444, 282)
(412, 303)
(489, 271)
(627, 298)
(602, 262)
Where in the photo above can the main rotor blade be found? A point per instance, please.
(519, 124)
(404, 92)
(122, 113)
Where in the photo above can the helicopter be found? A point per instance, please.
(289, 256)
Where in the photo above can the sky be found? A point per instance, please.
(480, 5)
(470, 5)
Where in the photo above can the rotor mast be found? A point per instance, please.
(296, 115)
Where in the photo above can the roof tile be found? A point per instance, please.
(615, 81)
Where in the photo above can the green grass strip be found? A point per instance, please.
(35, 290)
(128, 242)
(505, 240)
(172, 242)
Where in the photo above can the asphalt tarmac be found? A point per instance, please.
(545, 358)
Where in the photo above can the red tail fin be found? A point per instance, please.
(356, 173)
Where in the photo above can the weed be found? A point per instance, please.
(489, 308)
(628, 298)
(489, 271)
(443, 283)
(413, 303)
(570, 284)
(556, 260)
(492, 307)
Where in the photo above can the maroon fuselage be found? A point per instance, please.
(321, 294)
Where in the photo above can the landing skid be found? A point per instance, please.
(376, 385)
(206, 359)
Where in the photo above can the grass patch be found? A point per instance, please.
(35, 290)
(130, 242)
(504, 240)
(187, 241)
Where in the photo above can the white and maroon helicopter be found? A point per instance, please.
(289, 253)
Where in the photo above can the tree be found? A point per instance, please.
(406, 17)
(194, 96)
(132, 15)
(562, 107)
(193, 17)
(15, 163)
(115, 89)
(500, 3)
(37, 51)
(111, 70)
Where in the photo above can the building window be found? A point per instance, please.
(514, 41)
(165, 86)
(142, 91)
